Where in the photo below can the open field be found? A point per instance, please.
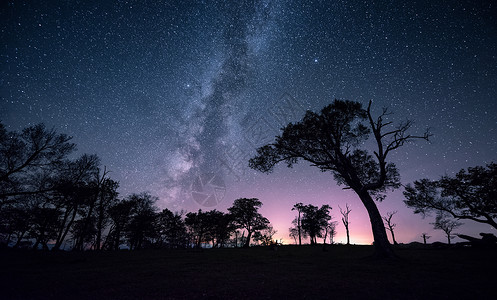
(256, 273)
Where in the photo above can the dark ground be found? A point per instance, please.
(291, 272)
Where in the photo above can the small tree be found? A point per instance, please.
(299, 207)
(390, 225)
(447, 225)
(330, 230)
(246, 216)
(294, 233)
(425, 236)
(331, 140)
(296, 230)
(333, 232)
(265, 236)
(345, 220)
(315, 220)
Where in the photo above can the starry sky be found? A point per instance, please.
(175, 96)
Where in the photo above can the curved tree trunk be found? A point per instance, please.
(382, 247)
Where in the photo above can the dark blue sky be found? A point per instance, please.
(169, 94)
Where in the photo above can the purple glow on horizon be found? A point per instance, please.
(166, 92)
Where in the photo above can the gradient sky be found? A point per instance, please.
(173, 93)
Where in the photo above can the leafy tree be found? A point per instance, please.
(199, 225)
(220, 227)
(171, 229)
(331, 141)
(447, 225)
(469, 195)
(141, 228)
(246, 216)
(345, 220)
(390, 225)
(120, 215)
(315, 220)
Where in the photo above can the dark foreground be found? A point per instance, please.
(258, 273)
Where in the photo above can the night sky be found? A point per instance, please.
(175, 96)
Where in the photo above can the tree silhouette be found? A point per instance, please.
(299, 207)
(425, 236)
(294, 234)
(120, 215)
(141, 228)
(265, 236)
(76, 192)
(331, 140)
(469, 195)
(27, 156)
(220, 227)
(345, 220)
(44, 226)
(198, 224)
(106, 198)
(171, 229)
(330, 230)
(315, 220)
(246, 216)
(103, 193)
(390, 225)
(447, 225)
(15, 223)
(297, 231)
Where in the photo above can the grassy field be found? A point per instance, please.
(291, 272)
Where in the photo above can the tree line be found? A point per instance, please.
(48, 200)
(44, 196)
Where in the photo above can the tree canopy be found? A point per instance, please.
(315, 221)
(27, 158)
(245, 214)
(469, 195)
(332, 141)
